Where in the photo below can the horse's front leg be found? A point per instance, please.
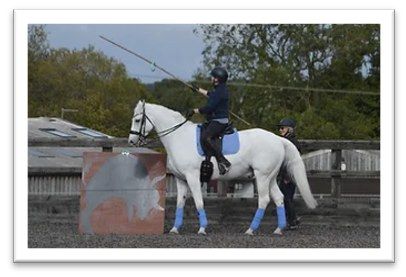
(194, 185)
(180, 204)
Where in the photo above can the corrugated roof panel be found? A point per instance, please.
(59, 125)
(39, 154)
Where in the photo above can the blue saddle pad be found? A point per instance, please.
(231, 143)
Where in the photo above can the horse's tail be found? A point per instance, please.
(296, 169)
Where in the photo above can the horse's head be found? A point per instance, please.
(141, 125)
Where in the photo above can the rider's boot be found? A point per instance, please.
(224, 165)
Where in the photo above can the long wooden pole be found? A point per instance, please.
(163, 70)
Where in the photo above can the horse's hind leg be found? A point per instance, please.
(194, 185)
(263, 200)
(277, 197)
(180, 204)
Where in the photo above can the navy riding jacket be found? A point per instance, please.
(217, 104)
(283, 174)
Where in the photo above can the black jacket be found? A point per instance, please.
(217, 105)
(283, 174)
(293, 139)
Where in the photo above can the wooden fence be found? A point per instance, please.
(335, 173)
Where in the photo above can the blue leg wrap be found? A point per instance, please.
(202, 218)
(178, 218)
(280, 211)
(257, 219)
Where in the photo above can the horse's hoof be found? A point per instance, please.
(174, 231)
(249, 232)
(202, 231)
(278, 232)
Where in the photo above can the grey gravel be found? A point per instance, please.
(61, 231)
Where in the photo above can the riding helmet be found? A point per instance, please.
(287, 122)
(220, 73)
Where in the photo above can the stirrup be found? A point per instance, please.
(223, 168)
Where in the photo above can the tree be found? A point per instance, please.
(38, 46)
(175, 95)
(87, 80)
(334, 57)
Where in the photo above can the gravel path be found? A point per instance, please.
(61, 231)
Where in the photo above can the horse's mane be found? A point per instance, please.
(176, 115)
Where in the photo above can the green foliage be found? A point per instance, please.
(175, 95)
(315, 126)
(38, 46)
(97, 86)
(267, 63)
(333, 57)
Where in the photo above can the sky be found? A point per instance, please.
(172, 46)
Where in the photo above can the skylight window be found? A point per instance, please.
(57, 133)
(90, 133)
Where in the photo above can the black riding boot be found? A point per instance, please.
(224, 167)
(223, 164)
(213, 147)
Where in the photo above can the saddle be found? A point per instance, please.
(228, 143)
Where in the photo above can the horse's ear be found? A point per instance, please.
(141, 102)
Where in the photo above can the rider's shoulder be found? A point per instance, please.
(221, 89)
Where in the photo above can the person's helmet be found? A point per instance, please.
(220, 73)
(287, 122)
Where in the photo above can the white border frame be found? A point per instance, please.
(22, 18)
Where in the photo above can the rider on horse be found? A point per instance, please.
(216, 112)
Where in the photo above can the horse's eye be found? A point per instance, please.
(137, 120)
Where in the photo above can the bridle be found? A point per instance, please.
(141, 132)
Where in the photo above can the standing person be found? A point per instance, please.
(285, 183)
(216, 111)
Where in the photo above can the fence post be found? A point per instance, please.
(222, 189)
(107, 149)
(336, 155)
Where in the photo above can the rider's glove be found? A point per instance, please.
(194, 88)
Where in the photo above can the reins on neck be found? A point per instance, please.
(141, 133)
(169, 130)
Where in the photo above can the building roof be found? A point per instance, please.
(64, 157)
(51, 127)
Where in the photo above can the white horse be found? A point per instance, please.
(261, 154)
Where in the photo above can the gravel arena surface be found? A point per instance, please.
(61, 231)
